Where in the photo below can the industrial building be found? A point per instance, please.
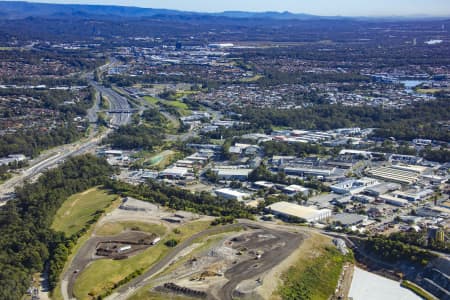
(289, 210)
(174, 173)
(296, 189)
(393, 200)
(12, 158)
(308, 171)
(407, 159)
(353, 186)
(413, 196)
(263, 184)
(365, 154)
(395, 174)
(382, 188)
(115, 153)
(233, 174)
(345, 219)
(231, 194)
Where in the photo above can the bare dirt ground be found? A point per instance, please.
(234, 266)
(137, 211)
(89, 252)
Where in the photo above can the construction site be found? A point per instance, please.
(126, 244)
(233, 265)
(241, 260)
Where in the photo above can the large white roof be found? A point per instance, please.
(291, 209)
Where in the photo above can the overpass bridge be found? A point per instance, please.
(121, 111)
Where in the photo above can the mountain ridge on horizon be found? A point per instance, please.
(24, 9)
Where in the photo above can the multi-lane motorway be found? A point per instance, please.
(117, 103)
(59, 154)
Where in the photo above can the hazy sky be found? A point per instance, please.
(318, 7)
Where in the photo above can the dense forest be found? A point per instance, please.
(420, 239)
(135, 137)
(272, 148)
(421, 120)
(31, 142)
(26, 240)
(395, 250)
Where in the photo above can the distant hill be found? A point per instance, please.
(269, 15)
(21, 10)
(13, 10)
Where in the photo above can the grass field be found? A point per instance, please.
(151, 100)
(161, 160)
(101, 275)
(252, 79)
(145, 294)
(182, 107)
(176, 103)
(428, 91)
(56, 294)
(78, 209)
(320, 264)
(118, 227)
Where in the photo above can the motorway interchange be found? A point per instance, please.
(55, 156)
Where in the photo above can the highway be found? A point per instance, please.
(57, 155)
(117, 102)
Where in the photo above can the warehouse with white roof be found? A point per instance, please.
(232, 194)
(287, 210)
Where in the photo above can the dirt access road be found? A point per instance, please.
(289, 242)
(284, 244)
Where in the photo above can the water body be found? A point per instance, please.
(370, 286)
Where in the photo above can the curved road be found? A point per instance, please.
(288, 242)
(62, 152)
(267, 261)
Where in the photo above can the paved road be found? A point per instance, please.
(63, 152)
(117, 102)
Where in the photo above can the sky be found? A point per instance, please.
(316, 7)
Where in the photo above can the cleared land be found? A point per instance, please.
(78, 209)
(160, 160)
(101, 275)
(149, 295)
(216, 264)
(118, 227)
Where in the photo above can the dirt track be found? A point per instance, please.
(284, 244)
(87, 254)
